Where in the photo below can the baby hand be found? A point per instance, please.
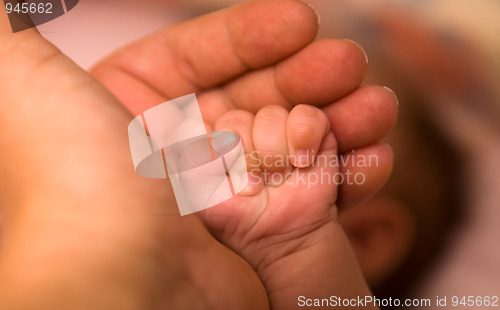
(284, 222)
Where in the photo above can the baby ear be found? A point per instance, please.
(381, 233)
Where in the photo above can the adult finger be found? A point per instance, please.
(319, 74)
(363, 117)
(208, 51)
(365, 172)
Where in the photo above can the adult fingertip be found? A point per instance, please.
(355, 56)
(318, 17)
(388, 104)
(359, 47)
(393, 93)
(322, 72)
(363, 117)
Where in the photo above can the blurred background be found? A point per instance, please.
(441, 58)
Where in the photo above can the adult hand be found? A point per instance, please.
(79, 230)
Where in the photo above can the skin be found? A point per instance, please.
(77, 226)
(284, 225)
(259, 53)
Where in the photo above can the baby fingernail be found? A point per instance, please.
(301, 159)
